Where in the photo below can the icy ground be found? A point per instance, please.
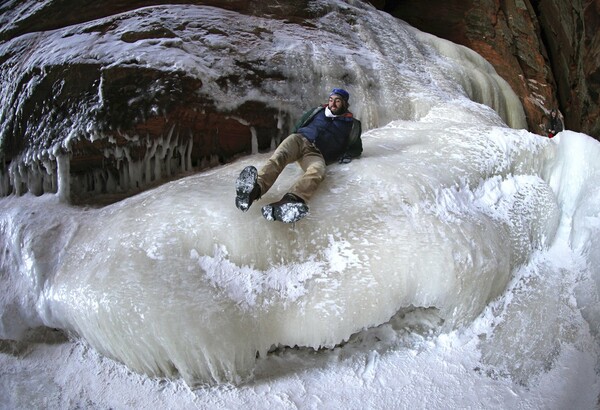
(534, 346)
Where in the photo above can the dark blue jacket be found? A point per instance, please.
(335, 137)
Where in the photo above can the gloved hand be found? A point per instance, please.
(345, 159)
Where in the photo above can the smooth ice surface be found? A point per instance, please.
(467, 248)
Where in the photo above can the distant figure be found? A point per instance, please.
(554, 124)
(324, 134)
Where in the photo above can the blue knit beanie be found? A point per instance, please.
(342, 93)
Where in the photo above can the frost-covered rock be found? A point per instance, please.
(134, 98)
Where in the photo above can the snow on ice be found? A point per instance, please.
(454, 265)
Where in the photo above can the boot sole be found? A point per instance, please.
(286, 213)
(243, 187)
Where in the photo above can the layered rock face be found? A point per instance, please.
(548, 50)
(125, 125)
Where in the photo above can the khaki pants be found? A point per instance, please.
(294, 148)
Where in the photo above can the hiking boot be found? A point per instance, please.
(288, 209)
(247, 189)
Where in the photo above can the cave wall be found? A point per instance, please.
(547, 50)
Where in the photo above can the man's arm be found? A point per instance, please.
(355, 143)
(355, 147)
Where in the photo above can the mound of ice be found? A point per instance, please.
(443, 206)
(178, 281)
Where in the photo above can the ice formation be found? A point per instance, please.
(177, 280)
(445, 204)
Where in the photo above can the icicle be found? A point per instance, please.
(50, 168)
(167, 161)
(15, 177)
(182, 150)
(151, 147)
(4, 183)
(167, 151)
(129, 169)
(254, 140)
(280, 120)
(63, 167)
(157, 162)
(33, 179)
(190, 146)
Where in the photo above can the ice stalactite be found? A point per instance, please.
(4, 182)
(64, 181)
(124, 169)
(15, 177)
(254, 140)
(123, 172)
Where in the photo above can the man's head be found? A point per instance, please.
(338, 101)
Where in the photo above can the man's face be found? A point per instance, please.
(336, 104)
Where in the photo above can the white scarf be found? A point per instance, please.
(329, 114)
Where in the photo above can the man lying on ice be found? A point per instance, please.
(325, 134)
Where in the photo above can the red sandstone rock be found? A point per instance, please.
(547, 50)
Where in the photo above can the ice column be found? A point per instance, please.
(64, 180)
